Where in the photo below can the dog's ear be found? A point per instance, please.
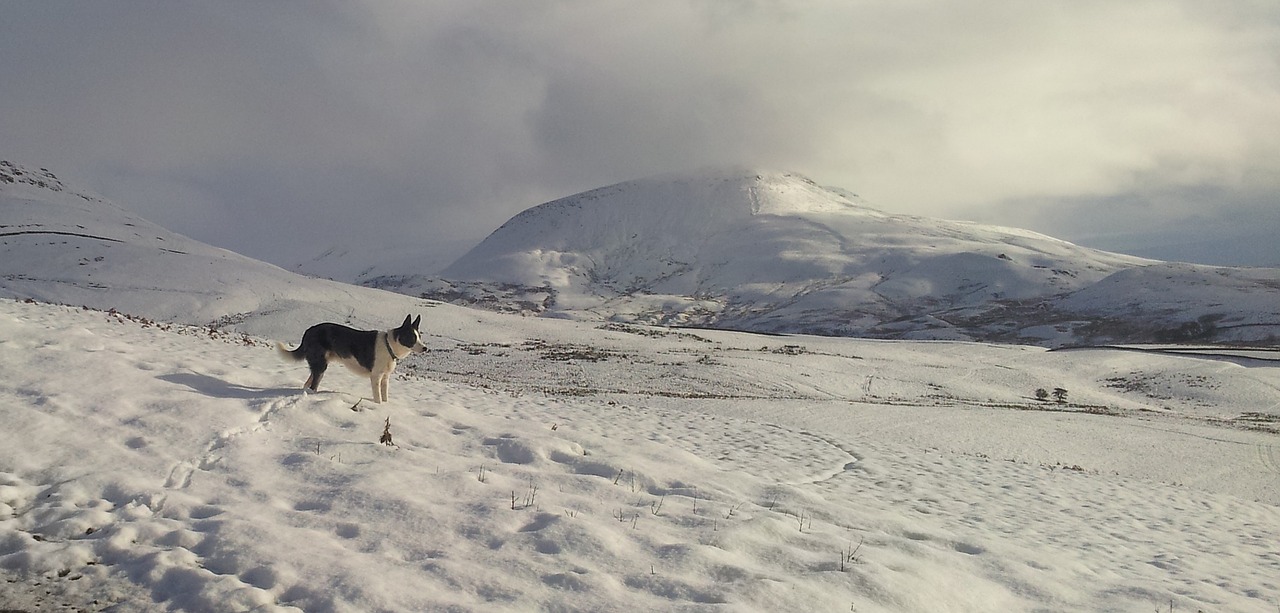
(406, 321)
(417, 320)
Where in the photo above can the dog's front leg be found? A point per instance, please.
(376, 381)
(386, 383)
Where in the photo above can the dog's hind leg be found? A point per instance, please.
(317, 371)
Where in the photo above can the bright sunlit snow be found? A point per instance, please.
(148, 467)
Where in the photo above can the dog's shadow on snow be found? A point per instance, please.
(217, 388)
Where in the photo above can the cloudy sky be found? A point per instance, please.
(277, 129)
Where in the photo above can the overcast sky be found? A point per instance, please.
(277, 129)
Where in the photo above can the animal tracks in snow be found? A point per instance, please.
(1268, 458)
(181, 473)
(180, 476)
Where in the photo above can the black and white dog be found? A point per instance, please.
(365, 352)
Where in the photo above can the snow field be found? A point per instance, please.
(149, 469)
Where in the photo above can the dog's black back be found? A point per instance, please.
(322, 341)
(342, 341)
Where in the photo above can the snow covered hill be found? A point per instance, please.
(361, 262)
(542, 464)
(774, 252)
(62, 245)
(766, 251)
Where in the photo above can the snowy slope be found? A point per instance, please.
(541, 464)
(61, 245)
(1185, 301)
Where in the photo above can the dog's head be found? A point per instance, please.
(407, 334)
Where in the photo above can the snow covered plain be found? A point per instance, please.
(547, 465)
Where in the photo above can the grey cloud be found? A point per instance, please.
(1208, 225)
(244, 124)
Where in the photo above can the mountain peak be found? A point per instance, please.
(728, 191)
(15, 174)
(22, 181)
(676, 210)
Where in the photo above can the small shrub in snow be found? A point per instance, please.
(850, 555)
(386, 434)
(655, 507)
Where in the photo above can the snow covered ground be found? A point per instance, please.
(561, 466)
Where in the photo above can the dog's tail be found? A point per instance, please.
(292, 354)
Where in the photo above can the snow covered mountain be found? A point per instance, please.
(361, 262)
(775, 252)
